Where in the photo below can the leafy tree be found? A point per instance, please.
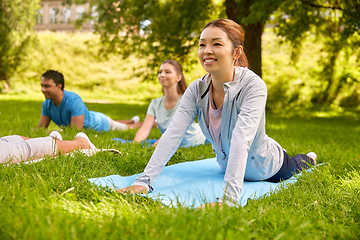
(252, 15)
(170, 29)
(17, 18)
(336, 23)
(153, 28)
(165, 29)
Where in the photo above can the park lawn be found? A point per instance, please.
(53, 199)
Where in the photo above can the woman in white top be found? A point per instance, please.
(163, 109)
(229, 102)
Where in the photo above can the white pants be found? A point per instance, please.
(117, 125)
(15, 149)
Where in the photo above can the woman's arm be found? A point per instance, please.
(145, 129)
(156, 143)
(171, 139)
(251, 112)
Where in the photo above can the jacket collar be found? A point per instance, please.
(232, 87)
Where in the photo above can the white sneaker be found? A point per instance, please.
(83, 135)
(56, 134)
(313, 156)
(136, 119)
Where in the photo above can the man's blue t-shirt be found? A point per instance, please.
(73, 106)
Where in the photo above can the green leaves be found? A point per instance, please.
(17, 18)
(335, 23)
(158, 29)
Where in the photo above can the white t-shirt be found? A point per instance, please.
(193, 136)
(214, 121)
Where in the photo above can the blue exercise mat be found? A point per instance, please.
(191, 184)
(147, 142)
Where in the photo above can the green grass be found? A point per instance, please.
(53, 199)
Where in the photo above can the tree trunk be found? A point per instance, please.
(7, 83)
(253, 33)
(7, 86)
(253, 46)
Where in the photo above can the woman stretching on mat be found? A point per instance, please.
(16, 148)
(230, 104)
(163, 109)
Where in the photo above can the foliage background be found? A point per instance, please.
(114, 79)
(16, 34)
(162, 29)
(315, 61)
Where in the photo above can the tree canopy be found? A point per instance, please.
(17, 18)
(158, 29)
(336, 23)
(162, 29)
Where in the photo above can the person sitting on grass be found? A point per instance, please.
(67, 108)
(15, 149)
(163, 109)
(229, 102)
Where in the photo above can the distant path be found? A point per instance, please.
(98, 101)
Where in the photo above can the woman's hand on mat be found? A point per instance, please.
(211, 205)
(156, 143)
(132, 190)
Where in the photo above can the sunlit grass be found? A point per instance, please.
(53, 199)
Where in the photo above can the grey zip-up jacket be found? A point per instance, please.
(247, 152)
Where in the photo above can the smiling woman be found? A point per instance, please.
(229, 102)
(163, 109)
(217, 53)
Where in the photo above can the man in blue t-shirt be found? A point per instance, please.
(67, 108)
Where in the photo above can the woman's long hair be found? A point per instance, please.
(181, 85)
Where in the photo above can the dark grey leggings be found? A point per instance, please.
(291, 166)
